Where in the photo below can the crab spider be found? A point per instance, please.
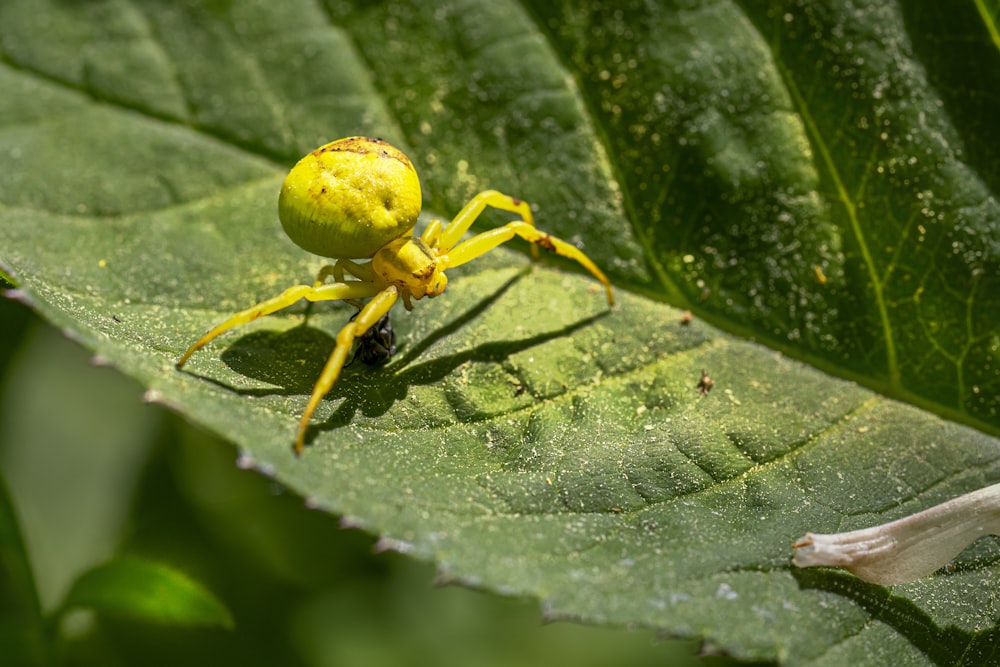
(359, 198)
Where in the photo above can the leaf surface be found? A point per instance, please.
(802, 176)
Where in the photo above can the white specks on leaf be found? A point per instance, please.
(726, 592)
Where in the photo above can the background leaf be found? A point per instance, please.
(798, 174)
(148, 591)
(22, 627)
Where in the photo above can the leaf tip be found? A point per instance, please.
(444, 578)
(153, 396)
(19, 295)
(384, 544)
(346, 522)
(101, 361)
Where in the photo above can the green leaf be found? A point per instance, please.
(140, 589)
(22, 627)
(819, 178)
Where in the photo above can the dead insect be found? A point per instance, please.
(377, 345)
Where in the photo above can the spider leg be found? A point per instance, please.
(361, 271)
(331, 292)
(461, 223)
(369, 315)
(482, 243)
(432, 234)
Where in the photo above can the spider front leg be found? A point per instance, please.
(482, 243)
(332, 292)
(344, 266)
(338, 270)
(366, 318)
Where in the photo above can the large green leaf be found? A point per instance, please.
(819, 177)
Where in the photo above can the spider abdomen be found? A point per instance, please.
(349, 198)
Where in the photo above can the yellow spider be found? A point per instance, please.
(360, 198)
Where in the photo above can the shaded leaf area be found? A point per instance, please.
(799, 169)
(524, 437)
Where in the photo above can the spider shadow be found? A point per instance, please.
(291, 360)
(374, 391)
(388, 387)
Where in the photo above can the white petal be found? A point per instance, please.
(909, 548)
